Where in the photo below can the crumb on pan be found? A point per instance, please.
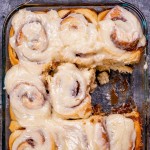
(103, 78)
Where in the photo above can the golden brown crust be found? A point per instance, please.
(134, 57)
(121, 69)
(135, 116)
(13, 137)
(128, 58)
(63, 13)
(18, 133)
(116, 14)
(12, 54)
(90, 15)
(12, 115)
(102, 15)
(14, 125)
(86, 109)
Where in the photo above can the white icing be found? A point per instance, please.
(95, 132)
(69, 88)
(21, 84)
(127, 31)
(80, 36)
(40, 137)
(42, 42)
(80, 134)
(61, 39)
(66, 134)
(121, 132)
(47, 37)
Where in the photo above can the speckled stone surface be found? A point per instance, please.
(7, 5)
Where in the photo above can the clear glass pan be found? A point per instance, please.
(137, 83)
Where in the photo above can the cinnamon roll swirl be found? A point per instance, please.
(31, 138)
(69, 91)
(34, 37)
(70, 137)
(121, 35)
(81, 134)
(78, 32)
(27, 94)
(124, 131)
(97, 135)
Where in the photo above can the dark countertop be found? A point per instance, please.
(7, 5)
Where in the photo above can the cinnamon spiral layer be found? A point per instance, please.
(31, 138)
(27, 94)
(36, 37)
(120, 30)
(69, 137)
(80, 134)
(79, 35)
(121, 132)
(96, 133)
(36, 40)
(69, 91)
(113, 132)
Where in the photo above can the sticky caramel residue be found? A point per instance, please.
(113, 97)
(104, 136)
(92, 120)
(123, 89)
(125, 86)
(88, 109)
(97, 109)
(125, 108)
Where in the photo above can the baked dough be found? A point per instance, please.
(57, 54)
(124, 131)
(80, 41)
(27, 93)
(81, 134)
(34, 37)
(69, 91)
(31, 138)
(122, 36)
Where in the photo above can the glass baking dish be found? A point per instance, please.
(134, 86)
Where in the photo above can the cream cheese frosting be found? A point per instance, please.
(127, 28)
(69, 91)
(45, 37)
(121, 132)
(36, 37)
(28, 97)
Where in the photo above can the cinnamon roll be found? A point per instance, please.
(97, 135)
(81, 134)
(34, 37)
(78, 32)
(121, 36)
(27, 94)
(69, 91)
(124, 131)
(31, 138)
